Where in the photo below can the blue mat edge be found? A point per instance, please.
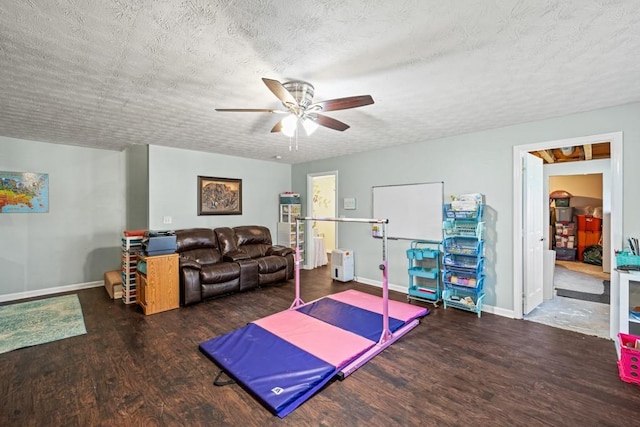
(286, 408)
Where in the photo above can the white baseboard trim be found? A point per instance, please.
(403, 289)
(378, 284)
(49, 291)
(498, 311)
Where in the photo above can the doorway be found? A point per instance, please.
(615, 223)
(576, 293)
(321, 203)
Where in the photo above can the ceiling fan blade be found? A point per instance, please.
(280, 91)
(248, 110)
(277, 127)
(342, 103)
(329, 122)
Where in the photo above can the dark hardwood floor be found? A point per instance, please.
(453, 369)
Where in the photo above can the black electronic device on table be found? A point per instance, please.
(159, 243)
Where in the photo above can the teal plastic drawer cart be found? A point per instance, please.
(463, 259)
(425, 271)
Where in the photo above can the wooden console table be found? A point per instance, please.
(157, 285)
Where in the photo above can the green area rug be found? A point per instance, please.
(41, 321)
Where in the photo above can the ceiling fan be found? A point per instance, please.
(296, 96)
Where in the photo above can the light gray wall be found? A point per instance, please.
(137, 187)
(79, 238)
(173, 182)
(477, 162)
(96, 194)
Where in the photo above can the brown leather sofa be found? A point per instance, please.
(226, 260)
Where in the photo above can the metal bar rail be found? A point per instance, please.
(386, 338)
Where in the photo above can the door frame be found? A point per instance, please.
(615, 140)
(310, 249)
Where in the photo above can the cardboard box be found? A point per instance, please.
(113, 283)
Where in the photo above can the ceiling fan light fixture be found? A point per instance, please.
(301, 91)
(567, 151)
(289, 125)
(309, 126)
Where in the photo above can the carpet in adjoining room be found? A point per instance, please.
(41, 321)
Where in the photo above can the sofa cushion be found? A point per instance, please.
(249, 234)
(255, 240)
(271, 264)
(217, 273)
(255, 250)
(226, 240)
(203, 256)
(195, 238)
(198, 244)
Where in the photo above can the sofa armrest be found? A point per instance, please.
(190, 263)
(235, 256)
(279, 250)
(190, 289)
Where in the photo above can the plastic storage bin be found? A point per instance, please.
(289, 199)
(427, 273)
(591, 238)
(564, 214)
(460, 228)
(470, 263)
(462, 279)
(566, 254)
(449, 212)
(463, 246)
(592, 223)
(626, 259)
(463, 300)
(563, 202)
(629, 363)
(420, 254)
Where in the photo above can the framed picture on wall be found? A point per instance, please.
(24, 192)
(219, 196)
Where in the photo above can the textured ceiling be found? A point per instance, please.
(108, 74)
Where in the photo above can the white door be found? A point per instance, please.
(533, 244)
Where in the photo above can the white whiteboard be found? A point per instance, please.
(414, 210)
